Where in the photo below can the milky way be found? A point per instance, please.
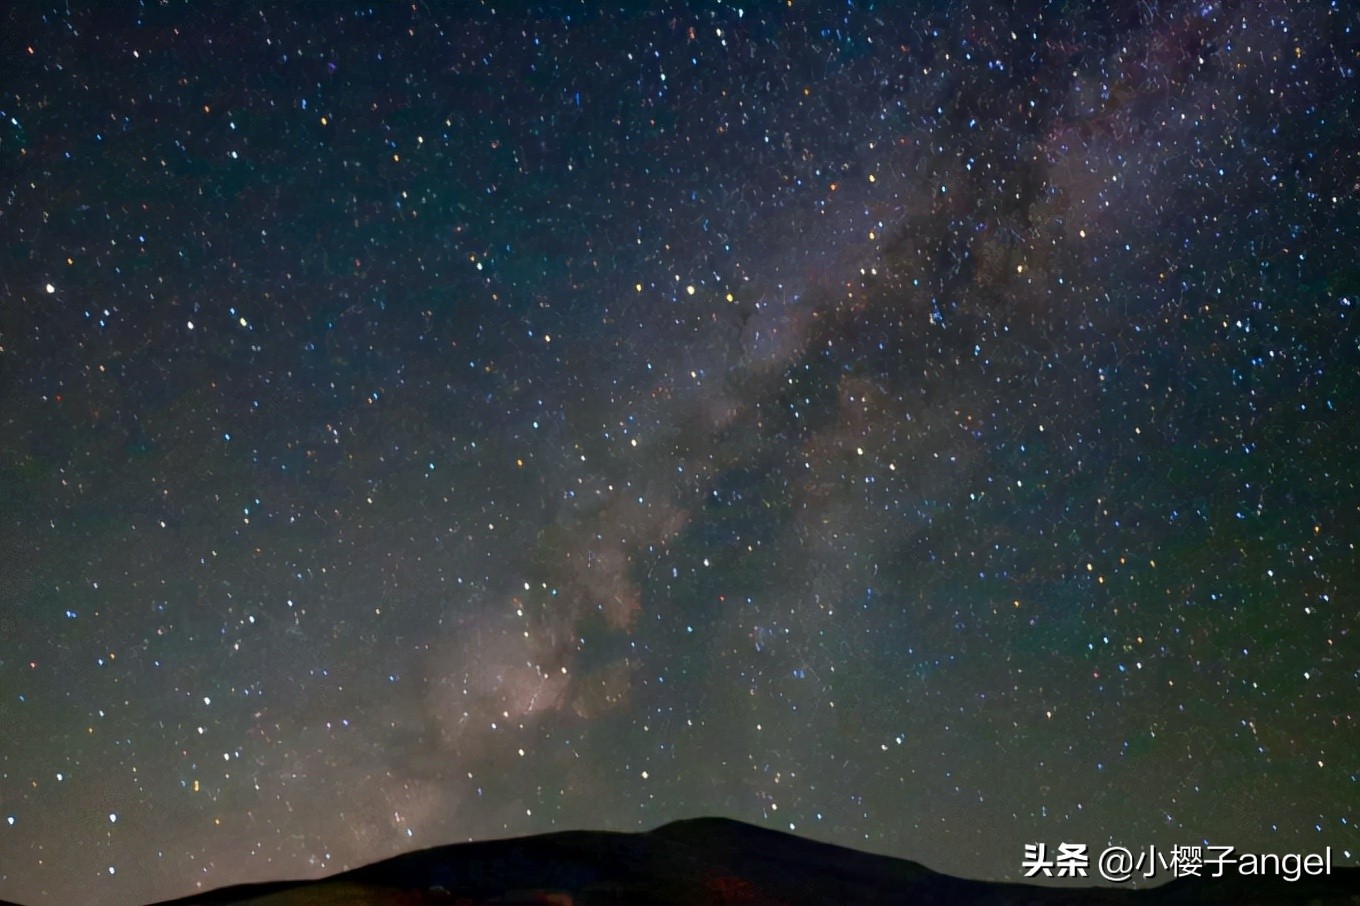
(928, 428)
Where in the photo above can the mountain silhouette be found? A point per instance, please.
(718, 861)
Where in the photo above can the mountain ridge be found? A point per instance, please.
(717, 861)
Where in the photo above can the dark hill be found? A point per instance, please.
(716, 861)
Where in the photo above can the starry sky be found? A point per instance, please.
(929, 428)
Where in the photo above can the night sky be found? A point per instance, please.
(927, 428)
